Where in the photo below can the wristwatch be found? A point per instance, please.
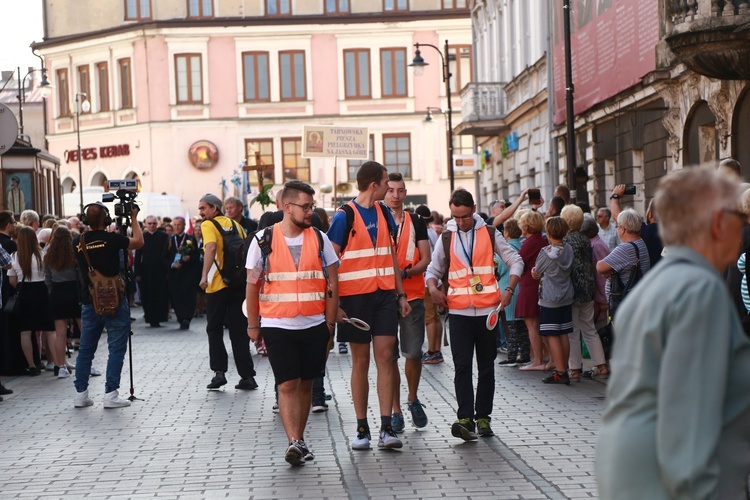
(615, 196)
(399, 295)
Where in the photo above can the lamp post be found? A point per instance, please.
(418, 64)
(570, 153)
(44, 87)
(84, 106)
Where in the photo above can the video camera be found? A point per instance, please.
(126, 191)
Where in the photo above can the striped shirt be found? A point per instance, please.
(743, 286)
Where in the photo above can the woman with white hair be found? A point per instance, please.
(624, 257)
(678, 400)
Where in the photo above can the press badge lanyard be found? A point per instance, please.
(470, 254)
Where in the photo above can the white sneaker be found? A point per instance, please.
(82, 400)
(94, 371)
(113, 400)
(50, 367)
(388, 439)
(70, 366)
(362, 440)
(63, 373)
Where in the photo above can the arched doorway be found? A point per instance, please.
(134, 176)
(100, 179)
(68, 185)
(700, 138)
(740, 131)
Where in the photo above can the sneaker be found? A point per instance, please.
(94, 371)
(83, 400)
(261, 348)
(246, 384)
(557, 378)
(483, 427)
(218, 380)
(327, 397)
(306, 453)
(464, 428)
(33, 372)
(113, 400)
(294, 455)
(502, 349)
(508, 363)
(389, 439)
(63, 372)
(397, 422)
(4, 390)
(275, 407)
(343, 349)
(70, 366)
(319, 406)
(185, 324)
(418, 416)
(49, 366)
(362, 440)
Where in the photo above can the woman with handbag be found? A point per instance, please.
(32, 302)
(63, 283)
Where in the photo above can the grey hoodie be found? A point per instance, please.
(555, 272)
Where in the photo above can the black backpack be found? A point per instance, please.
(233, 273)
(347, 209)
(617, 290)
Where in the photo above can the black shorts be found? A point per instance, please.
(297, 354)
(555, 321)
(378, 309)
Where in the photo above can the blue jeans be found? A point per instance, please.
(118, 329)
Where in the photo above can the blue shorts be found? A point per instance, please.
(555, 320)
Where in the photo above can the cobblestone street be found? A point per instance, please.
(184, 441)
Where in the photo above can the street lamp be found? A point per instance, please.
(418, 63)
(45, 90)
(84, 106)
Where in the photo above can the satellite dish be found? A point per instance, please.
(343, 187)
(326, 188)
(8, 129)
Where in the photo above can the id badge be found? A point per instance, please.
(476, 284)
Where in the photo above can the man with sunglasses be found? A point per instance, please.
(292, 303)
(472, 294)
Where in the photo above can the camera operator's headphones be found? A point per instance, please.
(107, 219)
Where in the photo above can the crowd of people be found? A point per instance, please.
(381, 277)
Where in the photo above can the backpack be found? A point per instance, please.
(233, 274)
(106, 291)
(446, 238)
(264, 242)
(617, 290)
(347, 209)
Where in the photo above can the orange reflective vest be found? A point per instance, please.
(461, 293)
(291, 290)
(364, 268)
(408, 253)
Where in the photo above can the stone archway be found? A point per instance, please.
(740, 131)
(100, 179)
(68, 185)
(700, 136)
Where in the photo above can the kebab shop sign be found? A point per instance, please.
(101, 152)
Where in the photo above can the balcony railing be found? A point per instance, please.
(482, 102)
(682, 11)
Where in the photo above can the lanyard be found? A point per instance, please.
(400, 229)
(470, 254)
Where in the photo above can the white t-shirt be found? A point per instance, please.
(37, 271)
(299, 322)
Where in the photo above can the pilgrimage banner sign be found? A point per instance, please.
(349, 143)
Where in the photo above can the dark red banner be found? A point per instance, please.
(613, 47)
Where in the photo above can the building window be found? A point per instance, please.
(189, 78)
(260, 149)
(463, 145)
(102, 73)
(454, 4)
(278, 7)
(200, 8)
(296, 168)
(357, 73)
(292, 68)
(137, 10)
(352, 166)
(459, 64)
(395, 5)
(126, 89)
(397, 153)
(84, 81)
(393, 72)
(337, 6)
(63, 92)
(255, 76)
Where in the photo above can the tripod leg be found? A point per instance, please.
(130, 361)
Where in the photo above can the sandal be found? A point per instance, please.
(601, 373)
(574, 375)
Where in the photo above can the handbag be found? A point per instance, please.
(607, 337)
(13, 306)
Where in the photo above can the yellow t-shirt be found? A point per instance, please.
(212, 235)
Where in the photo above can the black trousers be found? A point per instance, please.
(221, 306)
(467, 335)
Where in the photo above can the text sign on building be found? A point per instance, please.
(465, 163)
(350, 143)
(94, 153)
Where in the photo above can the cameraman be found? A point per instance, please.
(103, 249)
